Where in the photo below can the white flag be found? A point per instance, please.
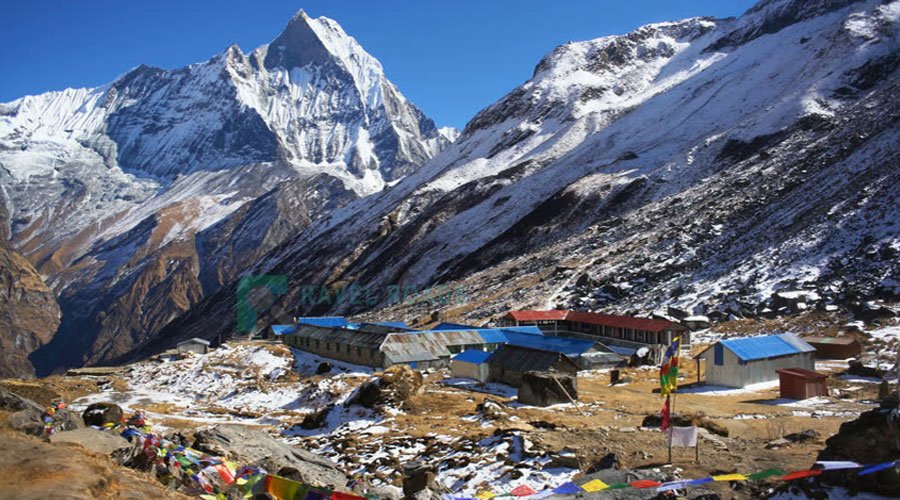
(684, 436)
(839, 465)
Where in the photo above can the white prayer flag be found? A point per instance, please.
(839, 465)
(684, 436)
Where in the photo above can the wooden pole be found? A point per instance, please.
(575, 403)
(671, 425)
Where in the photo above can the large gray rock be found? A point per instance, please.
(253, 446)
(92, 439)
(10, 401)
(99, 414)
(28, 416)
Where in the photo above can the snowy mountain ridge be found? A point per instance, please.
(105, 189)
(702, 164)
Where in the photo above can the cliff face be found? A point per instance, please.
(28, 314)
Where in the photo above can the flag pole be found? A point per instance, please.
(671, 426)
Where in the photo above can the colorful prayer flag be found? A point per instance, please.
(568, 488)
(876, 468)
(673, 485)
(730, 477)
(836, 465)
(800, 474)
(522, 491)
(280, 487)
(645, 483)
(595, 485)
(485, 495)
(665, 416)
(765, 474)
(668, 372)
(337, 495)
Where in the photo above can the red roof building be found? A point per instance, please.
(588, 324)
(800, 383)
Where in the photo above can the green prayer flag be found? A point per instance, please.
(764, 474)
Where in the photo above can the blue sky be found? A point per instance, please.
(451, 58)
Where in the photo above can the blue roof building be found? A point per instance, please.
(740, 362)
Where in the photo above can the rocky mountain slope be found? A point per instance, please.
(138, 198)
(702, 163)
(29, 314)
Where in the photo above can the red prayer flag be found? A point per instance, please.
(800, 474)
(522, 491)
(665, 416)
(645, 483)
(337, 495)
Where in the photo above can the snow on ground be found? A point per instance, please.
(886, 334)
(468, 384)
(717, 390)
(247, 383)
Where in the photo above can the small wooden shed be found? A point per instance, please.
(800, 383)
(843, 347)
(194, 345)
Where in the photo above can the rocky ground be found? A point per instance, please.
(372, 424)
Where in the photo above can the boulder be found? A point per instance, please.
(316, 419)
(417, 477)
(393, 388)
(12, 402)
(608, 461)
(251, 446)
(873, 438)
(803, 436)
(92, 439)
(492, 409)
(31, 420)
(548, 388)
(99, 414)
(323, 368)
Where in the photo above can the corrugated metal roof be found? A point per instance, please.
(453, 326)
(331, 321)
(563, 345)
(523, 359)
(472, 356)
(354, 338)
(767, 346)
(628, 322)
(406, 347)
(283, 329)
(802, 373)
(830, 340)
(531, 315)
(394, 324)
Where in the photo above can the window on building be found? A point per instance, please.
(719, 353)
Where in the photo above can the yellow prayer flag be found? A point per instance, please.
(485, 495)
(595, 485)
(730, 477)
